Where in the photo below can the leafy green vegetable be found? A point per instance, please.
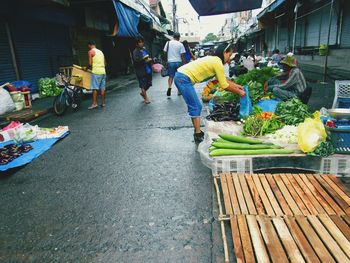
(325, 149)
(292, 112)
(255, 80)
(48, 87)
(255, 126)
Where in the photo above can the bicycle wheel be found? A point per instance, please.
(77, 97)
(60, 104)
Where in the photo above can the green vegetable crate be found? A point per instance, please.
(340, 139)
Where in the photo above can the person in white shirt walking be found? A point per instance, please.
(175, 57)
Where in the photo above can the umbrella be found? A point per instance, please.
(217, 7)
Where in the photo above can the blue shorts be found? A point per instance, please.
(185, 86)
(98, 81)
(172, 68)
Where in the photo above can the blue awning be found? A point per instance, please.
(217, 7)
(128, 20)
(272, 7)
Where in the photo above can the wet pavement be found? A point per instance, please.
(126, 185)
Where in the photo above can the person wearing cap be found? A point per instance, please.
(295, 84)
(175, 58)
(199, 71)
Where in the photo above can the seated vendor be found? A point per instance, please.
(294, 85)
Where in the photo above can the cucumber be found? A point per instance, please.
(239, 139)
(212, 149)
(223, 152)
(231, 145)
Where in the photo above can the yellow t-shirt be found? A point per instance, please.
(204, 69)
(98, 62)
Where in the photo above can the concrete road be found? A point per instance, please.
(126, 185)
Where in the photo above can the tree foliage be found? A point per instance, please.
(210, 38)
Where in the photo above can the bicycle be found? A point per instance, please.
(71, 96)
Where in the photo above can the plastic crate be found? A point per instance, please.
(337, 165)
(340, 139)
(232, 165)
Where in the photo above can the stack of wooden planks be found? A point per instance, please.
(287, 217)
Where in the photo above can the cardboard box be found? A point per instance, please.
(80, 77)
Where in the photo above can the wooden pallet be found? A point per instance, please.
(284, 194)
(26, 115)
(310, 238)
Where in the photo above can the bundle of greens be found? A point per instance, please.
(255, 80)
(48, 87)
(325, 149)
(254, 125)
(292, 112)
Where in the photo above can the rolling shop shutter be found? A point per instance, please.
(313, 29)
(345, 33)
(7, 72)
(325, 25)
(41, 48)
(283, 38)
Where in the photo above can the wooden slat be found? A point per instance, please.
(255, 194)
(237, 243)
(326, 196)
(339, 200)
(292, 204)
(295, 195)
(276, 207)
(272, 241)
(336, 188)
(346, 219)
(302, 194)
(344, 228)
(247, 196)
(335, 232)
(300, 239)
(225, 193)
(340, 184)
(265, 200)
(317, 195)
(245, 238)
(240, 196)
(310, 196)
(327, 239)
(258, 243)
(278, 195)
(287, 240)
(233, 195)
(314, 240)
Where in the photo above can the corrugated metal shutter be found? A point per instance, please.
(300, 34)
(345, 33)
(32, 51)
(283, 39)
(325, 25)
(270, 38)
(7, 72)
(40, 49)
(313, 29)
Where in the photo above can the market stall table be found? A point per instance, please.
(338, 164)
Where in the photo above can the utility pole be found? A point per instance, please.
(174, 17)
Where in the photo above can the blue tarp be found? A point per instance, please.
(217, 7)
(128, 20)
(39, 147)
(270, 8)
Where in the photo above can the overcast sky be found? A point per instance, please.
(206, 24)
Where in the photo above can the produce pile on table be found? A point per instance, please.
(236, 145)
(48, 87)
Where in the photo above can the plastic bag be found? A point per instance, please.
(6, 102)
(25, 133)
(268, 105)
(310, 134)
(246, 107)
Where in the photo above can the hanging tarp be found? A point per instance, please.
(217, 7)
(272, 7)
(128, 20)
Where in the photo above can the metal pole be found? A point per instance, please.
(174, 17)
(295, 26)
(328, 37)
(12, 50)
